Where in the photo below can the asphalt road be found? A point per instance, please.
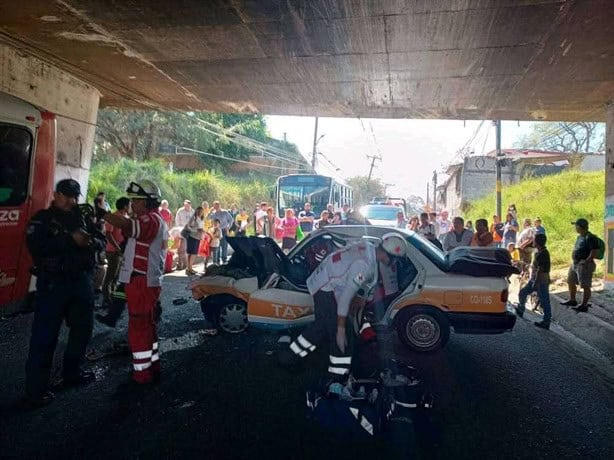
(526, 394)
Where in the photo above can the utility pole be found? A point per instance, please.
(497, 124)
(428, 196)
(373, 158)
(314, 154)
(434, 191)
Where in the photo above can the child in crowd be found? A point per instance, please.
(511, 248)
(214, 245)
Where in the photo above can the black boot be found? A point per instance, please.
(116, 308)
(82, 378)
(41, 400)
(287, 359)
(542, 324)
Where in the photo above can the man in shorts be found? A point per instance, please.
(583, 266)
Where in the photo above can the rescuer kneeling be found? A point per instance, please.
(63, 243)
(142, 271)
(349, 272)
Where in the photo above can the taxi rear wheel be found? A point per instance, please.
(423, 328)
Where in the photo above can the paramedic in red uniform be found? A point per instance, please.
(346, 273)
(142, 271)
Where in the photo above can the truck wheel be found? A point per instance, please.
(423, 328)
(233, 317)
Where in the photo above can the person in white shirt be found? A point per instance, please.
(459, 236)
(182, 218)
(259, 218)
(524, 241)
(349, 272)
(428, 230)
(444, 224)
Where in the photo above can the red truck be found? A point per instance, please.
(27, 168)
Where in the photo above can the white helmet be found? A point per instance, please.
(144, 189)
(394, 244)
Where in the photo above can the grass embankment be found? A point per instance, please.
(114, 177)
(558, 200)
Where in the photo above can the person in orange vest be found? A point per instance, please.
(496, 228)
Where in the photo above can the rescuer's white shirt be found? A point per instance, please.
(345, 272)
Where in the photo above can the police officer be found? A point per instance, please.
(349, 272)
(63, 244)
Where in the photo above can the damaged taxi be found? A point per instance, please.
(423, 296)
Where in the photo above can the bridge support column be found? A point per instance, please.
(74, 102)
(609, 197)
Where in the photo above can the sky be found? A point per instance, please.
(410, 149)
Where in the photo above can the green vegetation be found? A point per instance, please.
(143, 135)
(558, 200)
(113, 177)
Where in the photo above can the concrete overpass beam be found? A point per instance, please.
(74, 102)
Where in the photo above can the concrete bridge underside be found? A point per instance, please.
(466, 59)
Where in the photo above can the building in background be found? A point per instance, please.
(475, 176)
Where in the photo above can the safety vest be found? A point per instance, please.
(145, 251)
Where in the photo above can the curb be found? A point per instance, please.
(587, 326)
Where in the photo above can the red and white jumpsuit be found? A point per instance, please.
(142, 271)
(333, 285)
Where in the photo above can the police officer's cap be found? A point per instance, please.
(68, 187)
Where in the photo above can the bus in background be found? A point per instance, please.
(294, 190)
(27, 167)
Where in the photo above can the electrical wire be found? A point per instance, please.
(236, 160)
(246, 141)
(486, 140)
(249, 147)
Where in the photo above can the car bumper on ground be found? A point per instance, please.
(482, 323)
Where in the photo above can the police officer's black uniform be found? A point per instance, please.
(64, 291)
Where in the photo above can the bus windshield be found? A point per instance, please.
(15, 148)
(295, 191)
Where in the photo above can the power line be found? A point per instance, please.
(485, 140)
(245, 141)
(249, 147)
(329, 161)
(236, 160)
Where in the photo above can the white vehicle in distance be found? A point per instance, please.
(382, 215)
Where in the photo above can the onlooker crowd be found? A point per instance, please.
(204, 231)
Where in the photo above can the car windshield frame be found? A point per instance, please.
(426, 248)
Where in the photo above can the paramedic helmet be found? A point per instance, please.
(394, 244)
(145, 190)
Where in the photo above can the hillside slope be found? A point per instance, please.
(558, 200)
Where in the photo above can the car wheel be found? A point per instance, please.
(423, 328)
(233, 317)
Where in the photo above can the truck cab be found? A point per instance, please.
(27, 168)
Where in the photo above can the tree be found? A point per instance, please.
(579, 137)
(139, 134)
(415, 205)
(365, 189)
